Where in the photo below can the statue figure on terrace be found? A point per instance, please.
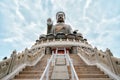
(49, 25)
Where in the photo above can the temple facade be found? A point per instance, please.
(61, 54)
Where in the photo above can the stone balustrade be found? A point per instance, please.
(4, 67)
(106, 58)
(116, 62)
(85, 52)
(31, 58)
(61, 42)
(9, 65)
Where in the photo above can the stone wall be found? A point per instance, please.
(27, 57)
(106, 58)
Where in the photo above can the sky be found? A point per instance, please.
(23, 21)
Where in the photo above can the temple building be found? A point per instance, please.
(61, 54)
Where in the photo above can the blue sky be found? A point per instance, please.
(22, 21)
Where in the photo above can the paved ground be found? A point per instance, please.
(60, 71)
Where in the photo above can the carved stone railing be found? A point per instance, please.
(10, 65)
(4, 67)
(61, 42)
(116, 62)
(104, 59)
(31, 58)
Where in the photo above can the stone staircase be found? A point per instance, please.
(84, 71)
(87, 72)
(33, 72)
(60, 71)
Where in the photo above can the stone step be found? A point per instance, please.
(90, 72)
(85, 66)
(30, 72)
(87, 72)
(28, 76)
(87, 69)
(35, 69)
(33, 72)
(95, 79)
(92, 76)
(25, 79)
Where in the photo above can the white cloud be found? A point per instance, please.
(19, 14)
(9, 39)
(26, 20)
(86, 7)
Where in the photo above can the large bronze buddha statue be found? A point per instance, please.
(60, 30)
(61, 27)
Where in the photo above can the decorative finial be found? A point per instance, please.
(109, 52)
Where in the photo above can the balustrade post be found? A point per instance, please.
(111, 62)
(73, 40)
(67, 39)
(47, 40)
(60, 39)
(25, 57)
(43, 51)
(41, 41)
(12, 63)
(96, 54)
(53, 39)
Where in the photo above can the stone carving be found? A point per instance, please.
(50, 36)
(42, 37)
(49, 25)
(60, 35)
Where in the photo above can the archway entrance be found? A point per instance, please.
(60, 50)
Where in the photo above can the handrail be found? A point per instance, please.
(74, 74)
(47, 68)
(46, 71)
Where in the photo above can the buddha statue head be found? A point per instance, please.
(60, 16)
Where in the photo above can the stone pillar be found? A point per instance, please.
(56, 51)
(48, 50)
(44, 50)
(74, 50)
